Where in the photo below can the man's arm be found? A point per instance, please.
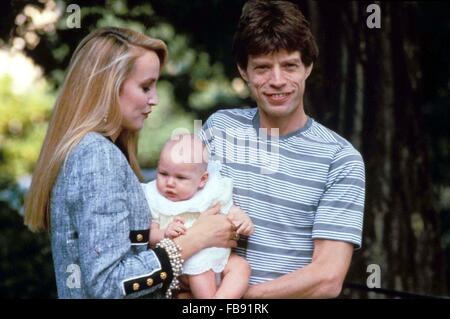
(322, 278)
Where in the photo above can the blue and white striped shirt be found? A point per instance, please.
(306, 185)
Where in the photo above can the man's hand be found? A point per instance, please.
(241, 220)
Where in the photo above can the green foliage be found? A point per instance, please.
(206, 82)
(23, 123)
(189, 83)
(25, 258)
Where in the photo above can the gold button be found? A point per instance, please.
(163, 275)
(149, 282)
(139, 237)
(135, 286)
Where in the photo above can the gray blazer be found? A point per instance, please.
(100, 227)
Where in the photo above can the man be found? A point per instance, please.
(302, 184)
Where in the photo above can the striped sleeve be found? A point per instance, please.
(340, 211)
(207, 136)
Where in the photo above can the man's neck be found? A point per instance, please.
(285, 125)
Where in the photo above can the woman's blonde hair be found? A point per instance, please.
(88, 102)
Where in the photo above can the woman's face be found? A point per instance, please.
(138, 94)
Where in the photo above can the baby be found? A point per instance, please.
(185, 186)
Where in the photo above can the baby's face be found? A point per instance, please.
(179, 181)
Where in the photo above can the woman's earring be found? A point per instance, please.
(105, 119)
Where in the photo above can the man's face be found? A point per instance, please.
(277, 82)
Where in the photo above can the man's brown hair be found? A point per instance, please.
(269, 26)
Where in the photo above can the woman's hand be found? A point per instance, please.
(241, 220)
(218, 230)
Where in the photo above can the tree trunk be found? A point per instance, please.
(367, 89)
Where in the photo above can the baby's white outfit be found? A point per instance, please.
(217, 189)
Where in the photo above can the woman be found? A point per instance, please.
(85, 188)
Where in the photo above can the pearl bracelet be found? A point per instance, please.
(174, 253)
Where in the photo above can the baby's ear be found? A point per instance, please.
(203, 179)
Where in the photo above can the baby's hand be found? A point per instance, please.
(241, 220)
(175, 228)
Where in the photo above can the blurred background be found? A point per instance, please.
(386, 89)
